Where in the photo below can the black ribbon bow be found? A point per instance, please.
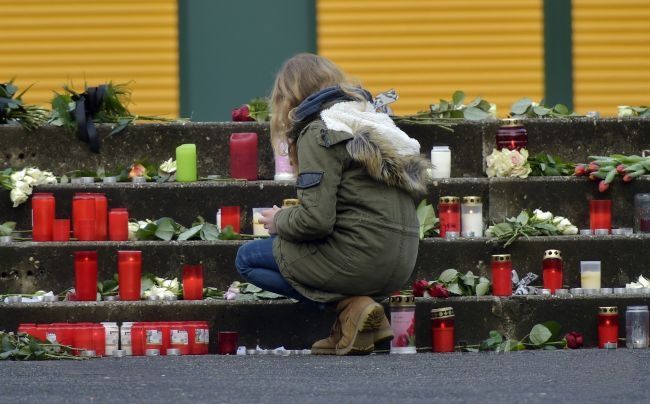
(87, 105)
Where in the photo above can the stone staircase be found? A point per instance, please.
(28, 266)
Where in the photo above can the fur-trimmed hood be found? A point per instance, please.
(388, 154)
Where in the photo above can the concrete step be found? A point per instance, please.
(26, 267)
(51, 148)
(274, 323)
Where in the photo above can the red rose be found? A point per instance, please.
(419, 287)
(241, 114)
(437, 290)
(574, 340)
(603, 186)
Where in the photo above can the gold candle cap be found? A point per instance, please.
(402, 300)
(608, 310)
(472, 199)
(501, 258)
(290, 202)
(443, 312)
(510, 122)
(449, 199)
(553, 254)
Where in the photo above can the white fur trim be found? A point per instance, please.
(350, 116)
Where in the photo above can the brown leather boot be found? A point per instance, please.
(384, 332)
(327, 346)
(359, 318)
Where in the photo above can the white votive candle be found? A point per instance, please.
(590, 274)
(258, 228)
(441, 162)
(472, 216)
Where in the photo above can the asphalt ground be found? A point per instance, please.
(582, 376)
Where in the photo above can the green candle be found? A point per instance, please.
(186, 163)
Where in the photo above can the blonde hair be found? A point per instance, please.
(299, 77)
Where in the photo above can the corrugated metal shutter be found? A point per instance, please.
(611, 48)
(427, 49)
(53, 42)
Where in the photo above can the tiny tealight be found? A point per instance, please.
(170, 297)
(577, 291)
(241, 350)
(545, 292)
(601, 232)
(249, 351)
(590, 292)
(467, 234)
(644, 291)
(620, 291)
(451, 235)
(632, 291)
(306, 351)
(627, 231)
(109, 180)
(139, 180)
(561, 292)
(617, 232)
(153, 297)
(606, 291)
(119, 353)
(610, 345)
(111, 298)
(88, 353)
(14, 299)
(152, 352)
(173, 352)
(50, 299)
(593, 114)
(76, 180)
(87, 180)
(6, 239)
(586, 232)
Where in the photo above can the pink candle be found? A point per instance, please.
(243, 156)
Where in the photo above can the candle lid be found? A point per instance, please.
(449, 199)
(152, 352)
(402, 300)
(552, 254)
(440, 149)
(472, 199)
(290, 202)
(511, 122)
(443, 312)
(608, 310)
(501, 258)
(173, 352)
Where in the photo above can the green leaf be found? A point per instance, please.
(520, 106)
(561, 109)
(209, 231)
(540, 110)
(165, 228)
(523, 218)
(250, 288)
(265, 294)
(188, 234)
(228, 233)
(475, 114)
(455, 289)
(448, 275)
(7, 228)
(511, 345)
(539, 335)
(475, 103)
(426, 218)
(458, 97)
(147, 233)
(482, 288)
(555, 328)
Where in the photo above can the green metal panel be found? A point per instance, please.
(230, 50)
(558, 56)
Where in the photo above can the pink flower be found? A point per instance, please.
(137, 170)
(437, 290)
(574, 340)
(241, 114)
(419, 287)
(603, 186)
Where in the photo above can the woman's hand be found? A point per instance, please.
(268, 219)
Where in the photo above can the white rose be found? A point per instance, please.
(557, 219)
(644, 282)
(541, 216)
(18, 175)
(493, 110)
(48, 178)
(133, 228)
(564, 223)
(168, 166)
(570, 230)
(521, 171)
(624, 110)
(172, 285)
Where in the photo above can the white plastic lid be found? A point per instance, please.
(440, 149)
(589, 266)
(637, 308)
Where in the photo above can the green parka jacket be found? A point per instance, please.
(355, 232)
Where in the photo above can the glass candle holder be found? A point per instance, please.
(283, 169)
(129, 269)
(402, 321)
(118, 224)
(512, 136)
(152, 336)
(85, 275)
(600, 214)
(552, 270)
(472, 216)
(83, 337)
(440, 162)
(286, 203)
(137, 339)
(590, 274)
(243, 156)
(193, 282)
(43, 207)
(83, 214)
(642, 213)
(199, 335)
(101, 217)
(502, 275)
(228, 342)
(61, 230)
(258, 228)
(449, 214)
(186, 163)
(607, 325)
(636, 327)
(442, 329)
(230, 216)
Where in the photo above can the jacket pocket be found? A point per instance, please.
(309, 187)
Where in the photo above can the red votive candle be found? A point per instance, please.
(449, 213)
(199, 335)
(153, 337)
(607, 325)
(193, 282)
(101, 217)
(99, 339)
(243, 156)
(512, 137)
(600, 214)
(502, 275)
(137, 339)
(442, 329)
(61, 230)
(228, 342)
(82, 337)
(129, 270)
(552, 270)
(230, 216)
(83, 217)
(118, 224)
(42, 216)
(179, 337)
(85, 275)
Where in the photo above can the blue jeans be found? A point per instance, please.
(256, 264)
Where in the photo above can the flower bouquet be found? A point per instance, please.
(538, 224)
